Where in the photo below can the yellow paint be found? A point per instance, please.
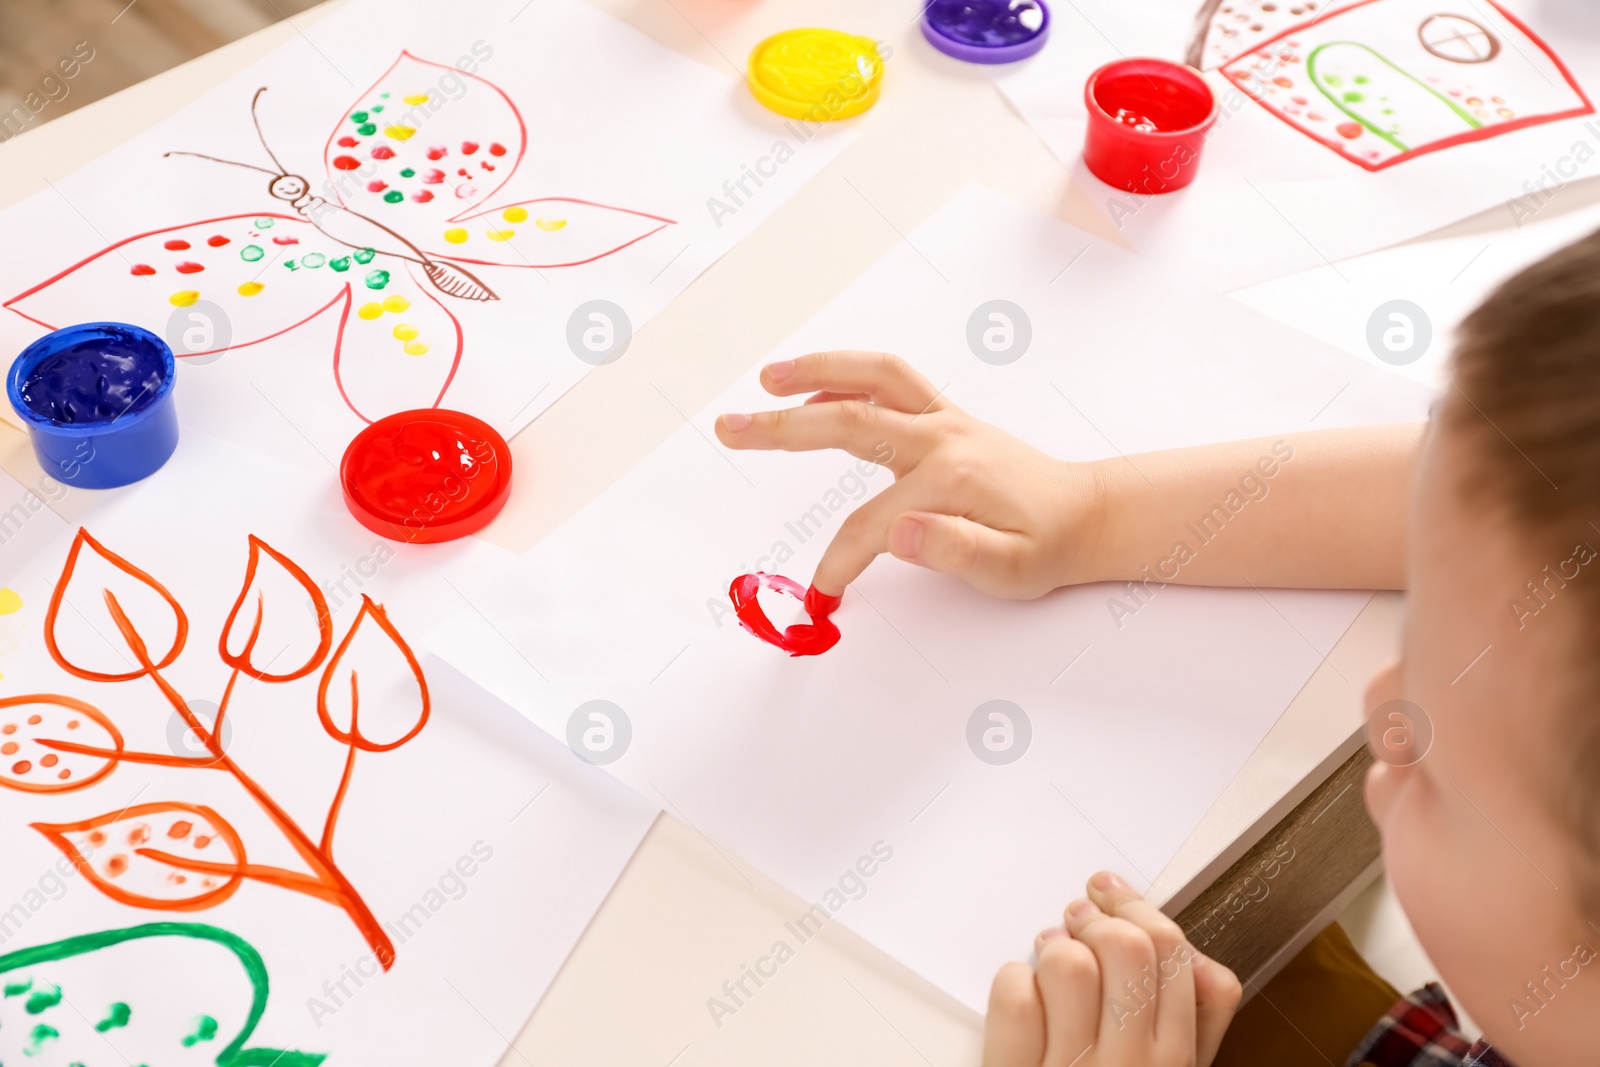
(455, 235)
(515, 214)
(400, 133)
(550, 225)
(405, 331)
(820, 75)
(183, 298)
(370, 311)
(250, 288)
(396, 303)
(10, 602)
(416, 348)
(416, 98)
(499, 235)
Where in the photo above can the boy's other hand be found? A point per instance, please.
(968, 499)
(1116, 985)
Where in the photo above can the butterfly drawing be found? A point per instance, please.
(403, 237)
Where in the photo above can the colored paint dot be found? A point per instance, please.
(205, 1028)
(416, 348)
(189, 267)
(377, 186)
(291, 264)
(358, 117)
(407, 172)
(43, 1000)
(368, 130)
(382, 151)
(416, 98)
(468, 147)
(38, 1036)
(1349, 130)
(400, 133)
(438, 151)
(550, 225)
(64, 775)
(497, 149)
(139, 835)
(251, 253)
(117, 1016)
(141, 270)
(34, 720)
(515, 214)
(50, 761)
(363, 255)
(216, 240)
(341, 264)
(202, 841)
(383, 96)
(376, 108)
(175, 245)
(264, 223)
(117, 865)
(8, 749)
(404, 332)
(73, 725)
(499, 235)
(313, 260)
(286, 240)
(346, 162)
(183, 298)
(422, 196)
(393, 196)
(370, 311)
(377, 279)
(455, 235)
(10, 602)
(14, 989)
(180, 829)
(395, 303)
(96, 838)
(250, 288)
(347, 141)
(22, 766)
(8, 728)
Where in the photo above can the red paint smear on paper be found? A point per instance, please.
(216, 240)
(346, 162)
(189, 266)
(383, 151)
(347, 142)
(176, 245)
(142, 269)
(801, 639)
(468, 147)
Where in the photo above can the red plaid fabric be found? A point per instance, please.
(1421, 1031)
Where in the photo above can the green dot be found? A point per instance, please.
(116, 1016)
(251, 253)
(367, 130)
(364, 255)
(377, 108)
(264, 223)
(408, 173)
(291, 264)
(313, 259)
(43, 999)
(384, 95)
(393, 196)
(358, 117)
(1362, 79)
(377, 279)
(341, 264)
(205, 1029)
(1334, 80)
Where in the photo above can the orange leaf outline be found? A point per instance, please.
(353, 737)
(241, 662)
(179, 638)
(56, 833)
(88, 711)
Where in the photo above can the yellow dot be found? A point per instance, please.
(10, 602)
(455, 235)
(250, 288)
(400, 133)
(499, 235)
(405, 331)
(416, 98)
(183, 298)
(515, 214)
(416, 348)
(395, 303)
(370, 311)
(550, 225)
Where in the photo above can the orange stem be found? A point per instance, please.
(278, 876)
(160, 759)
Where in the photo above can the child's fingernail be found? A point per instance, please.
(1054, 931)
(782, 370)
(1105, 881)
(905, 538)
(737, 421)
(1079, 908)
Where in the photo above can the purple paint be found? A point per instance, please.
(986, 31)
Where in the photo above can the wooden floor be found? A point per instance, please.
(125, 42)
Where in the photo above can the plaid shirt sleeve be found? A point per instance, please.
(1421, 1031)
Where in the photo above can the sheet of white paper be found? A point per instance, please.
(1135, 709)
(564, 159)
(1419, 112)
(481, 848)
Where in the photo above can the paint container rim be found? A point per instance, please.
(437, 530)
(979, 53)
(72, 336)
(1168, 66)
(790, 107)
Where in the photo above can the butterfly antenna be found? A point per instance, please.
(255, 118)
(229, 162)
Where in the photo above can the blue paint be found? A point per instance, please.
(986, 31)
(97, 401)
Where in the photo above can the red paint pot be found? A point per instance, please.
(1148, 121)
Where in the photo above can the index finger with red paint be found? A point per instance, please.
(884, 378)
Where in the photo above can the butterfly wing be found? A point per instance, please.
(552, 231)
(398, 346)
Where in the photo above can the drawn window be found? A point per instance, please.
(1458, 39)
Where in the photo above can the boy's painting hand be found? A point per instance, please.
(968, 499)
(1116, 985)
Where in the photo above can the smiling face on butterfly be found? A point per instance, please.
(290, 187)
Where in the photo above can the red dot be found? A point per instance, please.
(141, 269)
(1349, 130)
(432, 177)
(176, 245)
(96, 838)
(50, 760)
(383, 151)
(437, 152)
(468, 147)
(180, 829)
(286, 240)
(65, 774)
(8, 749)
(8, 728)
(347, 142)
(376, 186)
(422, 196)
(343, 163)
(463, 172)
(116, 865)
(216, 240)
(486, 165)
(22, 766)
(33, 720)
(497, 149)
(189, 267)
(139, 835)
(201, 841)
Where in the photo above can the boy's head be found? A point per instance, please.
(1492, 839)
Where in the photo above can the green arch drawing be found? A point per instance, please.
(1316, 79)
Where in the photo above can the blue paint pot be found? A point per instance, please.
(97, 401)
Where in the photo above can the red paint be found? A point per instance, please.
(485, 164)
(188, 266)
(422, 196)
(383, 151)
(820, 604)
(1282, 82)
(142, 269)
(801, 639)
(347, 141)
(216, 240)
(176, 245)
(1350, 130)
(286, 240)
(377, 186)
(346, 162)
(426, 476)
(1160, 152)
(464, 172)
(468, 147)
(432, 177)
(437, 152)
